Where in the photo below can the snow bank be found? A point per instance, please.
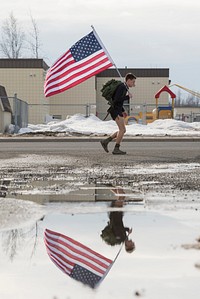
(92, 125)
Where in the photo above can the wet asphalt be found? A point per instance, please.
(138, 150)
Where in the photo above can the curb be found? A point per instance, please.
(97, 139)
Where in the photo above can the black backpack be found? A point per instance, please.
(109, 89)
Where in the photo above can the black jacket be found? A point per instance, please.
(118, 100)
(119, 230)
(120, 96)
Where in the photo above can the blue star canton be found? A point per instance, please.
(85, 47)
(85, 276)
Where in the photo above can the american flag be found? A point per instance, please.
(82, 61)
(75, 259)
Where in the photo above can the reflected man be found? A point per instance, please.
(115, 232)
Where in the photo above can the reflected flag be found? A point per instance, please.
(84, 59)
(75, 259)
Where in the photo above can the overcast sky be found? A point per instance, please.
(137, 34)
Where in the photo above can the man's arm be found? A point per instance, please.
(120, 94)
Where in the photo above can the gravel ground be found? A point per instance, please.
(151, 176)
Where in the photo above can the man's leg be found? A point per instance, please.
(105, 142)
(117, 135)
(122, 129)
(120, 134)
(114, 135)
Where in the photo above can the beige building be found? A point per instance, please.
(25, 77)
(79, 99)
(187, 114)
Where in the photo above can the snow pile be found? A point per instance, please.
(92, 125)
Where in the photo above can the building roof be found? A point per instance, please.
(112, 72)
(139, 72)
(32, 63)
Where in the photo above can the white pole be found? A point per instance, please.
(102, 45)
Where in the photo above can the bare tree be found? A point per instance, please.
(190, 100)
(12, 39)
(178, 99)
(34, 41)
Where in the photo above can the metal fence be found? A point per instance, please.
(18, 110)
(188, 117)
(43, 113)
(20, 113)
(61, 111)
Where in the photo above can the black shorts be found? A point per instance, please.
(114, 113)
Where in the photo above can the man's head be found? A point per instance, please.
(130, 79)
(129, 246)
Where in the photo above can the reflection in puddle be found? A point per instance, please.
(115, 232)
(14, 240)
(68, 209)
(115, 197)
(79, 261)
(20, 248)
(110, 193)
(76, 260)
(68, 190)
(157, 262)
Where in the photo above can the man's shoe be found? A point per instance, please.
(117, 151)
(104, 144)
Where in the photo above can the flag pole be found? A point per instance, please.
(109, 267)
(106, 51)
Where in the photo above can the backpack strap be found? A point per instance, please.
(106, 116)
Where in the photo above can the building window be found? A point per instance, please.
(55, 116)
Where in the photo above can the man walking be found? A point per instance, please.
(117, 111)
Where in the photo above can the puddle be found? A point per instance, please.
(101, 217)
(158, 264)
(67, 190)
